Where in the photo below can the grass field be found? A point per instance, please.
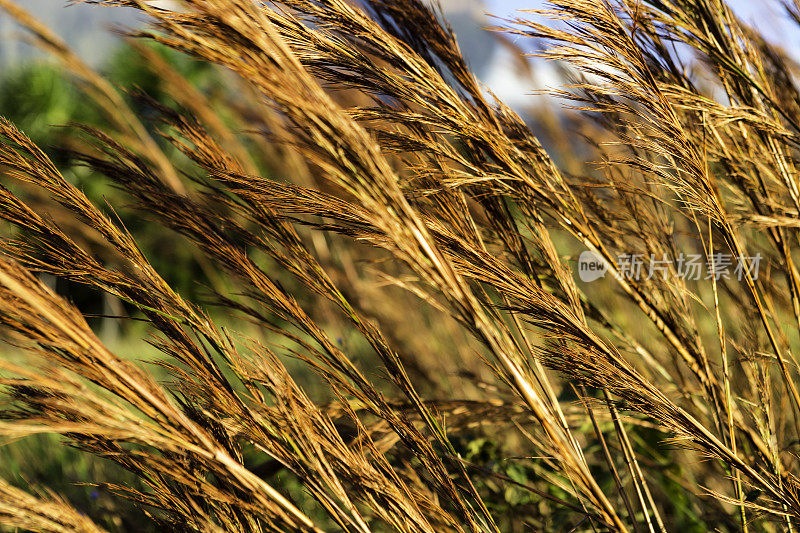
(290, 266)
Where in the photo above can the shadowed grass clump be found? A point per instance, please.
(391, 336)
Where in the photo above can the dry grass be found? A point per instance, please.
(385, 150)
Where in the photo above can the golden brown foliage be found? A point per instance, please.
(383, 147)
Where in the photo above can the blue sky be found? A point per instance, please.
(753, 7)
(767, 15)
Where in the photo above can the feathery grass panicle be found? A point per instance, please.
(393, 337)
